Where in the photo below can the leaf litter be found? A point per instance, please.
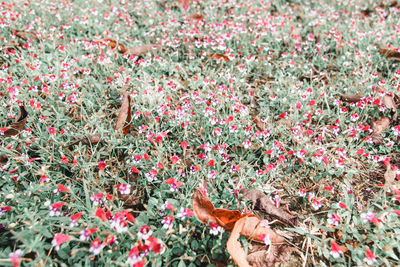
(247, 225)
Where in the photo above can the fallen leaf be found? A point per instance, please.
(185, 4)
(378, 127)
(271, 256)
(125, 114)
(263, 203)
(261, 126)
(196, 17)
(227, 218)
(390, 178)
(351, 98)
(140, 50)
(390, 52)
(219, 57)
(24, 35)
(91, 139)
(251, 228)
(247, 225)
(113, 44)
(203, 207)
(19, 123)
(388, 101)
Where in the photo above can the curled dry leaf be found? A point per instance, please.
(24, 34)
(390, 52)
(247, 225)
(263, 203)
(140, 50)
(390, 178)
(351, 98)
(19, 123)
(261, 126)
(91, 139)
(379, 126)
(251, 228)
(388, 101)
(196, 17)
(125, 114)
(203, 207)
(218, 57)
(113, 44)
(272, 256)
(185, 4)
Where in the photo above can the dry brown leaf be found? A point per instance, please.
(390, 52)
(251, 228)
(247, 225)
(271, 256)
(388, 101)
(261, 126)
(24, 35)
(91, 139)
(263, 203)
(19, 123)
(351, 98)
(379, 126)
(390, 178)
(140, 50)
(196, 17)
(125, 114)
(113, 44)
(219, 57)
(203, 207)
(185, 4)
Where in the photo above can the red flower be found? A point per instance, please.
(370, 258)
(134, 169)
(336, 250)
(102, 165)
(184, 145)
(101, 214)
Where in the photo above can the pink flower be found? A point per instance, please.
(184, 145)
(102, 165)
(96, 246)
(184, 213)
(134, 258)
(4, 209)
(74, 219)
(335, 249)
(167, 221)
(85, 234)
(334, 219)
(52, 130)
(60, 188)
(59, 239)
(55, 207)
(215, 229)
(174, 184)
(144, 232)
(124, 189)
(370, 258)
(15, 257)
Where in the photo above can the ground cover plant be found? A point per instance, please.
(199, 133)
